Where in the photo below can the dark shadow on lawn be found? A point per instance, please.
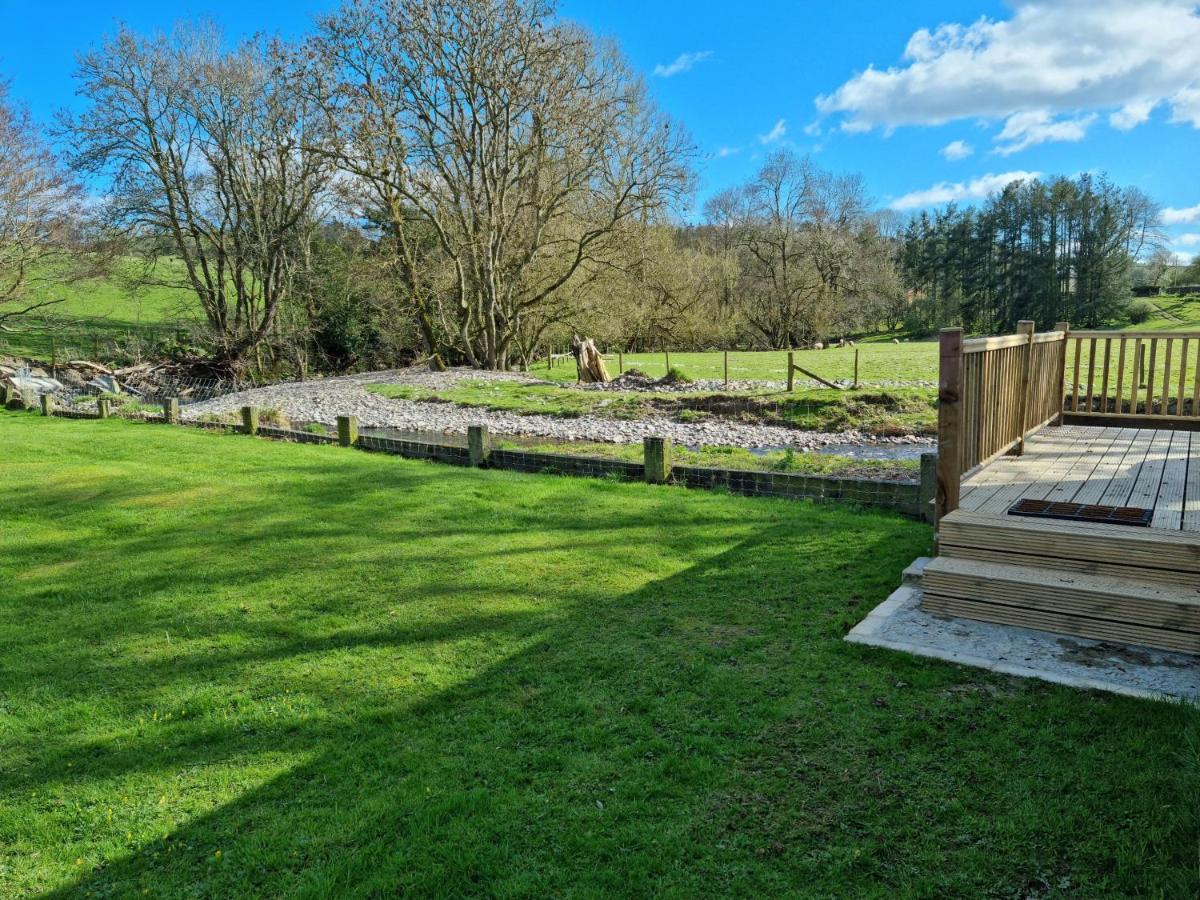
(707, 733)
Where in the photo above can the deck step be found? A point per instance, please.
(1113, 551)
(1093, 606)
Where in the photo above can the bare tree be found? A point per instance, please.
(39, 206)
(214, 157)
(523, 143)
(807, 253)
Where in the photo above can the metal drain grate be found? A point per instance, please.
(1082, 512)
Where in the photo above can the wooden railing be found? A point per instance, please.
(1143, 375)
(992, 393)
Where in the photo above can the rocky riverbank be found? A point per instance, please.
(325, 399)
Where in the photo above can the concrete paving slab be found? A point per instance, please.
(899, 623)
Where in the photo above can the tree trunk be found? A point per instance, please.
(588, 361)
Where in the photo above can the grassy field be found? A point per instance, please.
(879, 362)
(1174, 314)
(97, 312)
(885, 412)
(238, 668)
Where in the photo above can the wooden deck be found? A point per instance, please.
(1139, 467)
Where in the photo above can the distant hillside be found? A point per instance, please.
(98, 315)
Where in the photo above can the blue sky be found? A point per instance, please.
(955, 96)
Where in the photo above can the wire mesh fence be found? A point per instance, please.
(910, 497)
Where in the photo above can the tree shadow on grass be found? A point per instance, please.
(529, 728)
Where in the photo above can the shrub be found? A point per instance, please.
(1140, 311)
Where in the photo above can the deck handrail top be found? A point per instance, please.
(1137, 335)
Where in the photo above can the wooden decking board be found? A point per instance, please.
(1049, 590)
(1149, 481)
(1040, 477)
(1096, 629)
(1191, 491)
(1168, 508)
(1176, 553)
(1109, 468)
(1120, 486)
(1000, 474)
(1083, 466)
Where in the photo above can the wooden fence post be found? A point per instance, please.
(250, 420)
(791, 382)
(47, 404)
(726, 368)
(1065, 328)
(950, 387)
(347, 430)
(620, 363)
(657, 453)
(478, 448)
(856, 368)
(1025, 327)
(103, 407)
(668, 355)
(171, 410)
(7, 394)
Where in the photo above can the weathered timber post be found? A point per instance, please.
(668, 355)
(47, 404)
(950, 389)
(657, 452)
(856, 368)
(1060, 385)
(1026, 328)
(103, 407)
(7, 394)
(927, 494)
(171, 410)
(791, 379)
(478, 447)
(726, 368)
(250, 419)
(347, 429)
(620, 363)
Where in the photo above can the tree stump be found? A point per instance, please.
(588, 361)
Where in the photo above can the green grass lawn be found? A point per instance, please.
(231, 667)
(879, 362)
(1174, 314)
(894, 411)
(98, 312)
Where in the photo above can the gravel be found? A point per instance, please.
(325, 399)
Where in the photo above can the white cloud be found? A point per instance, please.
(1191, 239)
(1028, 129)
(956, 150)
(950, 192)
(725, 152)
(1050, 60)
(775, 133)
(1186, 216)
(684, 62)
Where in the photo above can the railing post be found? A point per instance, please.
(791, 378)
(477, 445)
(171, 411)
(950, 377)
(1060, 385)
(347, 429)
(1025, 327)
(250, 419)
(657, 452)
